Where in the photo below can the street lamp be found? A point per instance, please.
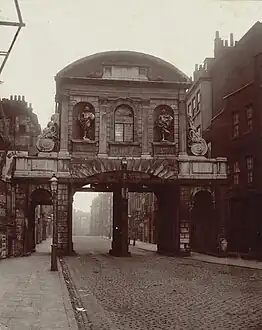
(54, 185)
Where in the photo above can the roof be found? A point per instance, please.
(92, 66)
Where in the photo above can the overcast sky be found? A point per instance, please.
(58, 32)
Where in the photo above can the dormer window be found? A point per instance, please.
(107, 70)
(142, 71)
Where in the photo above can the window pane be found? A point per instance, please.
(119, 132)
(124, 115)
(128, 131)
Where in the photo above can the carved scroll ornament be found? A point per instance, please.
(196, 143)
(47, 140)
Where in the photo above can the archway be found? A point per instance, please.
(39, 197)
(203, 224)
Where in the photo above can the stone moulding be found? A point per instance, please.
(109, 169)
(161, 169)
(193, 167)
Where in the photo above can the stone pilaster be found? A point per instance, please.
(120, 225)
(63, 152)
(184, 220)
(62, 219)
(70, 221)
(102, 151)
(182, 128)
(168, 231)
(145, 114)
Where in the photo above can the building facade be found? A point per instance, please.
(234, 130)
(19, 130)
(81, 222)
(142, 208)
(120, 124)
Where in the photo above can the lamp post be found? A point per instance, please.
(54, 185)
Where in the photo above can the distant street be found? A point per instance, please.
(148, 291)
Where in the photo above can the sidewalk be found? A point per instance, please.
(33, 297)
(207, 258)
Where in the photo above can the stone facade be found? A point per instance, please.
(19, 130)
(127, 132)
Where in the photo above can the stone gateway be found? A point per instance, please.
(121, 124)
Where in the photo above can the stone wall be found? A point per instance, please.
(63, 218)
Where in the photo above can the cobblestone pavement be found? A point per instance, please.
(31, 296)
(148, 291)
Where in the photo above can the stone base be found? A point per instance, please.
(119, 253)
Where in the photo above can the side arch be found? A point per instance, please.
(203, 233)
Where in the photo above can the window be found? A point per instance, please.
(142, 71)
(189, 109)
(22, 129)
(250, 168)
(236, 173)
(198, 101)
(108, 70)
(235, 132)
(194, 105)
(249, 118)
(124, 124)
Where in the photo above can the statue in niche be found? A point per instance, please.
(164, 123)
(48, 139)
(86, 120)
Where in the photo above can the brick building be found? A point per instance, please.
(81, 222)
(232, 125)
(141, 216)
(19, 129)
(101, 215)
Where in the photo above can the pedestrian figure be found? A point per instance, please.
(129, 240)
(134, 240)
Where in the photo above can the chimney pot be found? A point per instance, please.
(15, 97)
(19, 97)
(217, 34)
(231, 40)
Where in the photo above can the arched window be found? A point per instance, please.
(124, 124)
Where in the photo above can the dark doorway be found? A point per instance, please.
(203, 224)
(38, 197)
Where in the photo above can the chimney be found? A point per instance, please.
(23, 98)
(19, 98)
(218, 44)
(15, 98)
(231, 40)
(11, 97)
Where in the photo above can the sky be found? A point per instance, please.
(58, 32)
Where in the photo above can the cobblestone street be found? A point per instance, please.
(148, 291)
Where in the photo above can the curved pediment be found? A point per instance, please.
(92, 66)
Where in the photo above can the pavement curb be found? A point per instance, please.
(66, 300)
